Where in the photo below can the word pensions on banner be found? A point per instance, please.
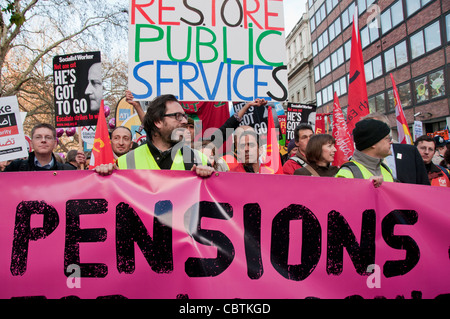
(194, 237)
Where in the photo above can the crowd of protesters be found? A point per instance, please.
(170, 145)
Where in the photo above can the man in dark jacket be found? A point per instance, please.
(43, 141)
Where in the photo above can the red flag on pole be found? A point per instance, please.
(358, 105)
(344, 143)
(102, 152)
(404, 136)
(272, 163)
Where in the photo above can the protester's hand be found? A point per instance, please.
(80, 158)
(202, 170)
(129, 98)
(105, 169)
(376, 181)
(257, 103)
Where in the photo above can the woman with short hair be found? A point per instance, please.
(320, 153)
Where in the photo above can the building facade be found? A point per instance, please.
(300, 64)
(408, 38)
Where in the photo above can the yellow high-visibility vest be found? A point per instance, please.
(366, 174)
(142, 158)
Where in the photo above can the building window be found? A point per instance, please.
(404, 91)
(319, 98)
(331, 4)
(337, 58)
(314, 48)
(392, 17)
(316, 74)
(395, 56)
(377, 103)
(437, 84)
(312, 23)
(347, 16)
(430, 86)
(414, 5)
(369, 34)
(425, 40)
(447, 23)
(348, 49)
(373, 68)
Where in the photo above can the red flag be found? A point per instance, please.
(404, 136)
(102, 152)
(320, 123)
(272, 163)
(358, 105)
(344, 143)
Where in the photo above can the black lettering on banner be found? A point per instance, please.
(75, 235)
(354, 77)
(285, 91)
(224, 19)
(310, 246)
(130, 229)
(393, 268)
(340, 235)
(252, 240)
(200, 21)
(23, 232)
(209, 267)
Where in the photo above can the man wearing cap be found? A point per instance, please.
(373, 143)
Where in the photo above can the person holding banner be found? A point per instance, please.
(43, 141)
(121, 141)
(320, 153)
(373, 143)
(164, 121)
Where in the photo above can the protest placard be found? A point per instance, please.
(207, 50)
(297, 114)
(12, 139)
(78, 89)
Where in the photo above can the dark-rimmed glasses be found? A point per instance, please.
(178, 116)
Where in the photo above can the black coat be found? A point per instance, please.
(23, 165)
(409, 165)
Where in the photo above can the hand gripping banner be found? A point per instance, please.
(166, 234)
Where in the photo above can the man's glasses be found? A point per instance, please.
(178, 116)
(40, 138)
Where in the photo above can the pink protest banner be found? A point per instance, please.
(164, 234)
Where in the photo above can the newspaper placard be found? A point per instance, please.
(12, 139)
(78, 89)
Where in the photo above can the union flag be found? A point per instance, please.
(272, 163)
(404, 136)
(102, 152)
(358, 103)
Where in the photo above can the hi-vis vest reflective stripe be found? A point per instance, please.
(142, 158)
(387, 176)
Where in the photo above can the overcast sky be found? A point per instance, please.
(293, 10)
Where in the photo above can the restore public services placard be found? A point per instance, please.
(207, 50)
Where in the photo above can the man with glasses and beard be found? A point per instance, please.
(164, 122)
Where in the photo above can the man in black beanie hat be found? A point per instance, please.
(373, 143)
